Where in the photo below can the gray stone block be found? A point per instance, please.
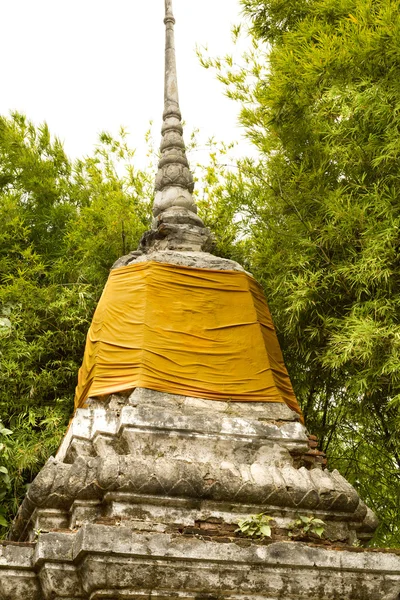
(115, 562)
(18, 580)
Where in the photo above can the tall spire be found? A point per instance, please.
(171, 96)
(174, 181)
(176, 225)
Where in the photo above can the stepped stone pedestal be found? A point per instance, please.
(144, 497)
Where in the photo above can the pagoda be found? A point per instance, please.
(187, 471)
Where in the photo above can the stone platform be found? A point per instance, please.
(116, 562)
(144, 497)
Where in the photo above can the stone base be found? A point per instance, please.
(187, 460)
(18, 579)
(114, 562)
(145, 495)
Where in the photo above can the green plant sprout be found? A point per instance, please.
(256, 526)
(303, 526)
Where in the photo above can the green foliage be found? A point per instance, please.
(256, 526)
(305, 526)
(320, 95)
(114, 209)
(5, 483)
(217, 202)
(63, 226)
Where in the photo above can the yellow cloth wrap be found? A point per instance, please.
(193, 332)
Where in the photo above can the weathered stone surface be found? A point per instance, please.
(151, 446)
(199, 260)
(61, 581)
(126, 260)
(174, 236)
(174, 197)
(157, 410)
(163, 476)
(18, 580)
(115, 562)
(173, 174)
(179, 215)
(49, 519)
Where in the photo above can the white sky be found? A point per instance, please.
(89, 65)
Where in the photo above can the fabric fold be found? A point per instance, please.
(182, 330)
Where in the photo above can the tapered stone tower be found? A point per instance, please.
(186, 424)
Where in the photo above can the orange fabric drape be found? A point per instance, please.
(187, 331)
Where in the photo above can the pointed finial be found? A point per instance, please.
(176, 225)
(174, 181)
(171, 96)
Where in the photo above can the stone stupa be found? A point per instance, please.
(186, 423)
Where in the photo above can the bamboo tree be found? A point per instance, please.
(320, 96)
